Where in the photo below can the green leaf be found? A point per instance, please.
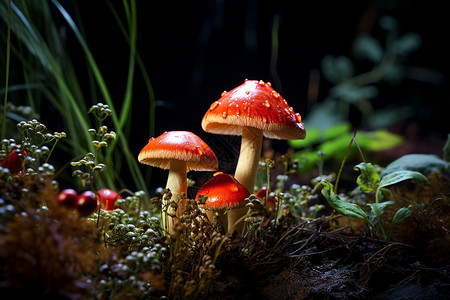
(384, 140)
(368, 47)
(313, 136)
(378, 140)
(386, 193)
(337, 69)
(378, 208)
(400, 215)
(354, 94)
(316, 135)
(424, 163)
(307, 160)
(407, 43)
(368, 141)
(399, 176)
(347, 209)
(335, 148)
(369, 179)
(337, 130)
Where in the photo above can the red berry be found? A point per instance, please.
(68, 198)
(86, 203)
(13, 162)
(109, 198)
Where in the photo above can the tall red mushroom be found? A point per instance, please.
(180, 152)
(253, 110)
(224, 193)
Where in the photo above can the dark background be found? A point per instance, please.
(193, 50)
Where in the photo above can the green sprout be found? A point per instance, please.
(370, 182)
(100, 140)
(101, 136)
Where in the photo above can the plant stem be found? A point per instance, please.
(268, 167)
(51, 150)
(343, 162)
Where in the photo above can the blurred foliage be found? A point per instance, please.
(424, 163)
(446, 149)
(331, 143)
(359, 90)
(328, 124)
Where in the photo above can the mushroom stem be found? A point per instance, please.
(177, 183)
(246, 171)
(217, 216)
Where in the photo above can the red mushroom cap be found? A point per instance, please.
(108, 199)
(223, 192)
(254, 104)
(14, 161)
(180, 145)
(261, 195)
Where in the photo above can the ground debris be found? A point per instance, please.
(310, 263)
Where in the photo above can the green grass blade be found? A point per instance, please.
(121, 137)
(8, 51)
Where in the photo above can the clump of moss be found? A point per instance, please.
(45, 250)
(194, 248)
(428, 226)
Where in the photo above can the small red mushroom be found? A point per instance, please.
(14, 162)
(109, 198)
(271, 203)
(180, 152)
(224, 193)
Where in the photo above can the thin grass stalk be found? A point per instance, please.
(343, 163)
(67, 97)
(129, 157)
(110, 172)
(19, 87)
(144, 72)
(29, 35)
(8, 50)
(148, 85)
(125, 112)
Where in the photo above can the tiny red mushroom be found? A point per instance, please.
(180, 152)
(224, 193)
(252, 110)
(108, 199)
(14, 162)
(271, 203)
